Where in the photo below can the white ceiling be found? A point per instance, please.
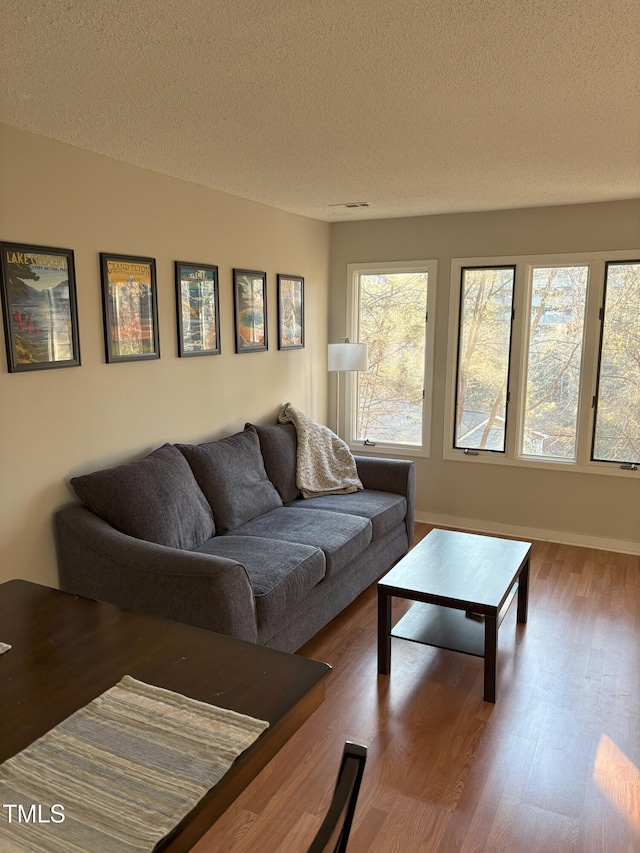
(415, 106)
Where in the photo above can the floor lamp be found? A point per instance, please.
(346, 356)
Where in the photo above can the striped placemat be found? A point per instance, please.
(121, 772)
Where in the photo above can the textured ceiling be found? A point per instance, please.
(415, 107)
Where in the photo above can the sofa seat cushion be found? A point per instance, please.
(281, 573)
(155, 499)
(384, 509)
(232, 476)
(342, 537)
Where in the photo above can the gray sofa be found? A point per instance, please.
(217, 535)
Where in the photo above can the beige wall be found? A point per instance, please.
(573, 507)
(57, 423)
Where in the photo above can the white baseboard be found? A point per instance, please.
(474, 525)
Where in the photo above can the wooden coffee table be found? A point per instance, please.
(463, 585)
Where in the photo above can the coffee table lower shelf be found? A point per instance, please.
(446, 627)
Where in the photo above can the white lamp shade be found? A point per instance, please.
(348, 356)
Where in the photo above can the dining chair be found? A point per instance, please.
(334, 832)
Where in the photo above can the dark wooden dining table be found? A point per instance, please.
(66, 650)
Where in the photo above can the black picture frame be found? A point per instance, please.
(290, 311)
(39, 307)
(130, 308)
(250, 310)
(198, 309)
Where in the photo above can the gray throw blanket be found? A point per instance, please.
(325, 465)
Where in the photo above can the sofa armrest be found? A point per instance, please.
(391, 475)
(97, 561)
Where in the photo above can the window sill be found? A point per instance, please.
(610, 469)
(380, 449)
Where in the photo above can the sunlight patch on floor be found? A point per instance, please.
(619, 780)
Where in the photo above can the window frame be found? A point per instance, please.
(485, 268)
(596, 398)
(349, 401)
(513, 456)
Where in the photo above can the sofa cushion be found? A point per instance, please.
(281, 573)
(279, 444)
(156, 499)
(342, 537)
(385, 509)
(231, 474)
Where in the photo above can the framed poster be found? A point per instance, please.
(198, 307)
(39, 307)
(250, 314)
(290, 312)
(130, 307)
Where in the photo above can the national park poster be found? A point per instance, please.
(39, 307)
(130, 307)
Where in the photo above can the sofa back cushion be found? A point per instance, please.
(156, 499)
(232, 476)
(279, 444)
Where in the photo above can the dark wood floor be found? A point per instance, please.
(553, 766)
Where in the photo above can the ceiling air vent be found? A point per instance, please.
(351, 204)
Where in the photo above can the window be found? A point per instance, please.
(617, 421)
(527, 382)
(392, 311)
(558, 297)
(486, 302)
